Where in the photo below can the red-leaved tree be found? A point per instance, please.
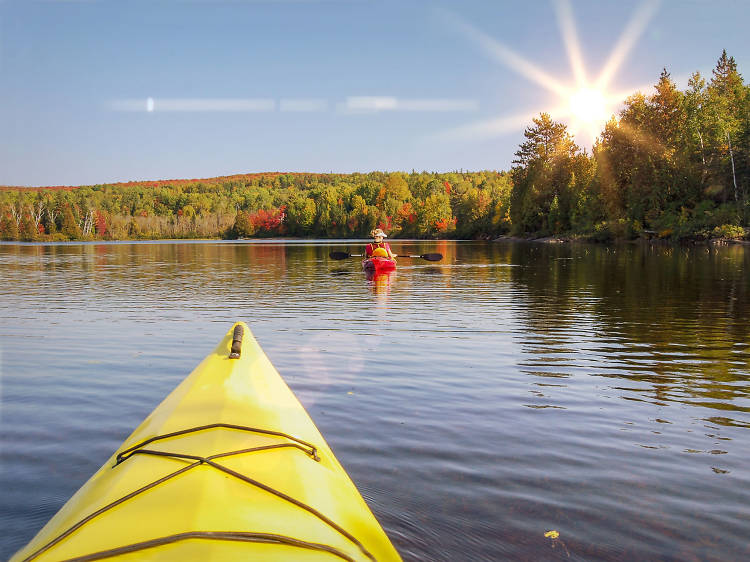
(268, 222)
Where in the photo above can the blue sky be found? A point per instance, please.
(239, 86)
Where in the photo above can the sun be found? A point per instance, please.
(588, 106)
(585, 105)
(588, 109)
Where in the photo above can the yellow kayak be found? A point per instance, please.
(228, 467)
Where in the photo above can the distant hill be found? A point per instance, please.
(419, 204)
(161, 183)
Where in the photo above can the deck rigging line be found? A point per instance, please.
(121, 457)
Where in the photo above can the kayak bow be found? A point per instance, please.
(228, 467)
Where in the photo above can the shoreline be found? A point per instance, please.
(619, 241)
(530, 239)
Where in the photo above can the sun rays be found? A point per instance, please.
(507, 56)
(570, 37)
(585, 105)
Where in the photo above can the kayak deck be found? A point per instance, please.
(229, 466)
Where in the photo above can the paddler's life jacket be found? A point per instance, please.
(373, 245)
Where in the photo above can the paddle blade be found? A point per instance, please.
(432, 257)
(339, 255)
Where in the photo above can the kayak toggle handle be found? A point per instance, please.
(237, 342)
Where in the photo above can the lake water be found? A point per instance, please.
(477, 403)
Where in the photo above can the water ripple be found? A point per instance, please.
(478, 402)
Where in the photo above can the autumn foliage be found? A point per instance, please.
(263, 222)
(674, 164)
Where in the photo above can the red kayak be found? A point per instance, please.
(378, 265)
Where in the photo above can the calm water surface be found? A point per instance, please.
(479, 402)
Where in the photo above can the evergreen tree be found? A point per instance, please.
(542, 178)
(544, 140)
(68, 224)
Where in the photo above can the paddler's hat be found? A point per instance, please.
(378, 232)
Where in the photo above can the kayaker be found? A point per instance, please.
(379, 244)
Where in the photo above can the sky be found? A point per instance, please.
(97, 91)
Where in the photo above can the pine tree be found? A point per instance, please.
(667, 117)
(542, 178)
(544, 140)
(242, 228)
(68, 224)
(726, 80)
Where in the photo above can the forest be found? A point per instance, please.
(672, 165)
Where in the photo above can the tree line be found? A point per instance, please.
(419, 204)
(673, 164)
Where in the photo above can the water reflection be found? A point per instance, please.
(477, 401)
(672, 322)
(380, 285)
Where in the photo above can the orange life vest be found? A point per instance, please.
(372, 245)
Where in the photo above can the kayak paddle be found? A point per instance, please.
(344, 255)
(428, 257)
